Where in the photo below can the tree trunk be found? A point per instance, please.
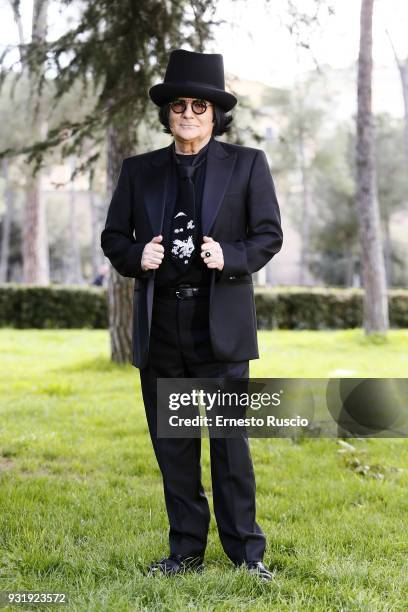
(7, 218)
(95, 228)
(349, 270)
(120, 289)
(402, 66)
(387, 250)
(304, 276)
(375, 289)
(74, 256)
(34, 230)
(403, 70)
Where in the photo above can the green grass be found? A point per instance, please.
(81, 502)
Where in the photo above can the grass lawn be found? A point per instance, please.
(81, 503)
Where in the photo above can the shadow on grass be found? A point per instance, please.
(373, 339)
(97, 364)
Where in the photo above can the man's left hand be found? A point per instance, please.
(216, 257)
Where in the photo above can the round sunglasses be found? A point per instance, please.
(198, 106)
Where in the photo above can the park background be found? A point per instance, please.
(81, 504)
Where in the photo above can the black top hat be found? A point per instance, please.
(194, 74)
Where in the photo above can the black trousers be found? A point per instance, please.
(180, 346)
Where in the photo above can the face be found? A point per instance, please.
(188, 126)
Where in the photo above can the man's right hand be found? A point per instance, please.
(153, 254)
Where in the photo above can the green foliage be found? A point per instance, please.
(117, 49)
(334, 230)
(321, 308)
(30, 306)
(81, 497)
(392, 178)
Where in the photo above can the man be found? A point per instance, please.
(190, 223)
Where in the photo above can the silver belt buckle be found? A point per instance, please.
(181, 297)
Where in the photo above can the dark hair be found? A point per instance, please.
(222, 121)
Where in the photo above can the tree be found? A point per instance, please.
(334, 236)
(302, 26)
(119, 48)
(372, 258)
(402, 65)
(304, 109)
(6, 221)
(334, 225)
(34, 235)
(392, 188)
(13, 181)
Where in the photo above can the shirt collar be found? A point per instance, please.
(197, 156)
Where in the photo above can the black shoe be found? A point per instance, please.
(176, 564)
(257, 568)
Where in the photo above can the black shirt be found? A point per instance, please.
(197, 274)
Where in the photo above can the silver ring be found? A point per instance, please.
(207, 254)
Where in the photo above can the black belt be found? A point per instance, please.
(181, 292)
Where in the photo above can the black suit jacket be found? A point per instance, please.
(239, 210)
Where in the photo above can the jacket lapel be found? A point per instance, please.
(220, 165)
(155, 176)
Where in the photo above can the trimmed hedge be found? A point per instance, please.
(59, 306)
(321, 308)
(53, 306)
